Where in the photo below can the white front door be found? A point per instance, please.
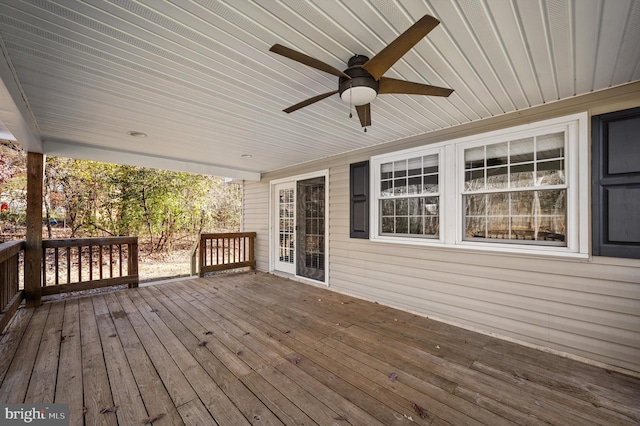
(285, 227)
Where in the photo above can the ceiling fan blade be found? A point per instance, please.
(364, 114)
(307, 60)
(391, 85)
(309, 101)
(388, 56)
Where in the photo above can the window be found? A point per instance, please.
(516, 191)
(523, 189)
(408, 197)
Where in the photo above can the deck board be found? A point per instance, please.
(277, 351)
(16, 380)
(69, 384)
(156, 399)
(95, 380)
(126, 396)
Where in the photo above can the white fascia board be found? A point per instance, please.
(87, 152)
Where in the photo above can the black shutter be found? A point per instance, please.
(615, 179)
(359, 200)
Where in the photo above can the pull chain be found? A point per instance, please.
(365, 116)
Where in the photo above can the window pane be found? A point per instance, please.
(498, 204)
(550, 146)
(386, 188)
(475, 205)
(431, 206)
(402, 207)
(474, 180)
(524, 215)
(410, 216)
(386, 171)
(552, 203)
(521, 150)
(387, 225)
(551, 173)
(522, 203)
(497, 178)
(402, 225)
(522, 175)
(431, 226)
(430, 164)
(522, 227)
(498, 227)
(430, 184)
(416, 225)
(388, 208)
(474, 158)
(475, 227)
(415, 185)
(400, 168)
(415, 166)
(497, 154)
(400, 186)
(415, 206)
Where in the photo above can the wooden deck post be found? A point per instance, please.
(33, 247)
(132, 261)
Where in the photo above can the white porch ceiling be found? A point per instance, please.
(198, 78)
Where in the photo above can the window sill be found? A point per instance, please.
(487, 248)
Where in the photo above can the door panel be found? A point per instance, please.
(310, 228)
(285, 227)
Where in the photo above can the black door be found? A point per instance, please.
(310, 233)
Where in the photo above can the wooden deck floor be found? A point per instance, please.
(258, 349)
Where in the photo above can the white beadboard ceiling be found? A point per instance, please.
(198, 78)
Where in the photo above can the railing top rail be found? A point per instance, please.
(227, 235)
(10, 249)
(74, 242)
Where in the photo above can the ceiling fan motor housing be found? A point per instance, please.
(360, 80)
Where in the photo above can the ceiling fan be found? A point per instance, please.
(362, 81)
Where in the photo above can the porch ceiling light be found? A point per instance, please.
(360, 95)
(137, 134)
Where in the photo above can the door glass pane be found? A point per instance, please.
(311, 228)
(286, 232)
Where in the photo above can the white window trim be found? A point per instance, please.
(451, 180)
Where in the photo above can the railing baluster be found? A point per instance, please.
(79, 263)
(120, 257)
(44, 265)
(56, 265)
(100, 255)
(110, 260)
(90, 263)
(68, 265)
(234, 250)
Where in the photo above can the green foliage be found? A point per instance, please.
(101, 198)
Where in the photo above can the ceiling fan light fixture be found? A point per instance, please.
(360, 95)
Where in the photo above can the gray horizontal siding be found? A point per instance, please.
(589, 308)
